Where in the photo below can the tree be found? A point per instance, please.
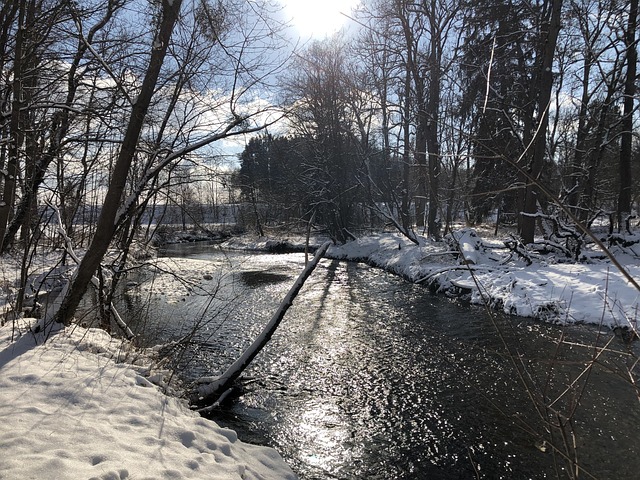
(42, 155)
(416, 88)
(592, 63)
(551, 23)
(495, 76)
(512, 92)
(108, 216)
(320, 96)
(626, 147)
(589, 18)
(409, 47)
(171, 100)
(25, 14)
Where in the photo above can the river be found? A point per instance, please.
(370, 377)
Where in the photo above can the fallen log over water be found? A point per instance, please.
(214, 391)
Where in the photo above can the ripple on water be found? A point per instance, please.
(370, 377)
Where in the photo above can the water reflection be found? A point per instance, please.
(369, 377)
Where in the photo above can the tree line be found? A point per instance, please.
(438, 109)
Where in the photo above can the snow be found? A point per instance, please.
(84, 405)
(594, 292)
(480, 267)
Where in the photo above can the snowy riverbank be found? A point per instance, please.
(83, 405)
(552, 288)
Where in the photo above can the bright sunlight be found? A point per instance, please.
(314, 18)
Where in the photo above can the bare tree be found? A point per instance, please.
(321, 96)
(200, 96)
(107, 221)
(60, 122)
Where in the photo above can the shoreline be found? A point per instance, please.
(84, 404)
(551, 289)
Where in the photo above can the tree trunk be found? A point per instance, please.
(212, 391)
(552, 28)
(107, 220)
(405, 208)
(626, 145)
(431, 133)
(577, 167)
(15, 124)
(421, 168)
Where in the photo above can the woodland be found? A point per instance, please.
(421, 114)
(515, 113)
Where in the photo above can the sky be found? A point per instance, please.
(308, 20)
(318, 19)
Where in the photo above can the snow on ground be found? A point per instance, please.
(75, 407)
(549, 289)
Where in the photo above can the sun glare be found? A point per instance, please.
(318, 18)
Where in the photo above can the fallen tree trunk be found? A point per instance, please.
(467, 244)
(214, 391)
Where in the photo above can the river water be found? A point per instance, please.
(370, 377)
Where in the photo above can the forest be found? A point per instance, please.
(421, 114)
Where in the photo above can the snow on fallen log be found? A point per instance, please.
(468, 244)
(217, 389)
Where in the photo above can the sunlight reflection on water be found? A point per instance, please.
(370, 377)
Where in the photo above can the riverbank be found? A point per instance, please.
(551, 288)
(86, 405)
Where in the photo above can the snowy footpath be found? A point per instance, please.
(82, 405)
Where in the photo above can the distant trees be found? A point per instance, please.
(327, 113)
(271, 175)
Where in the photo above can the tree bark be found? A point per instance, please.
(540, 139)
(626, 145)
(107, 221)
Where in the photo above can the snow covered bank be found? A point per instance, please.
(551, 288)
(71, 408)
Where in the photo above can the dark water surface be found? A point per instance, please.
(369, 377)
